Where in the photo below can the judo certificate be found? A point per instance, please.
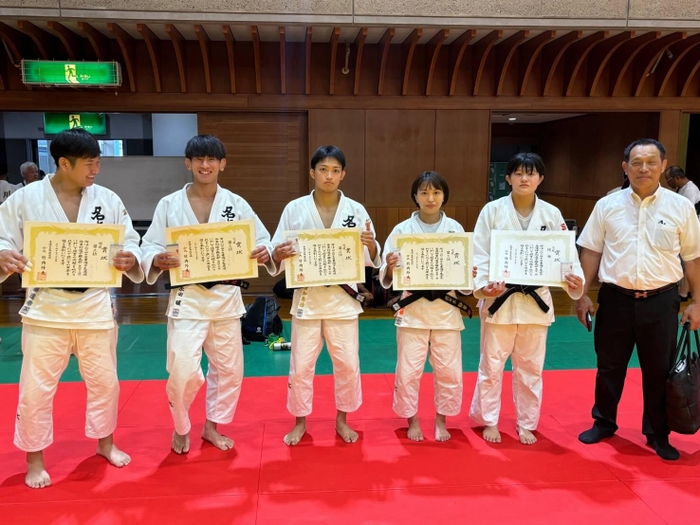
(531, 258)
(69, 255)
(217, 251)
(325, 257)
(434, 261)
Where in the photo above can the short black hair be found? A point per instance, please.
(205, 146)
(675, 171)
(644, 142)
(528, 161)
(430, 179)
(328, 152)
(73, 144)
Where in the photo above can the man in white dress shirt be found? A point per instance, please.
(633, 241)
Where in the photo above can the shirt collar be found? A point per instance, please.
(649, 200)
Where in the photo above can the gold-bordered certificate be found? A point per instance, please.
(68, 255)
(325, 257)
(217, 251)
(434, 261)
(531, 258)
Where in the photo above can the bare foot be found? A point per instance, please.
(297, 432)
(491, 434)
(180, 444)
(37, 477)
(414, 431)
(441, 433)
(211, 435)
(344, 431)
(526, 437)
(108, 450)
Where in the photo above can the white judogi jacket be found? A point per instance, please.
(6, 189)
(501, 215)
(429, 315)
(324, 302)
(198, 302)
(51, 307)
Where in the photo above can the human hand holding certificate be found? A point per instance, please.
(531, 258)
(434, 261)
(69, 255)
(325, 257)
(212, 252)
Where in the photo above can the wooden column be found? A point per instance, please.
(670, 132)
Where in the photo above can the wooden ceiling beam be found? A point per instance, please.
(529, 51)
(126, 44)
(180, 54)
(153, 46)
(359, 48)
(457, 50)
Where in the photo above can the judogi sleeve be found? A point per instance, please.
(578, 270)
(278, 239)
(385, 281)
(377, 261)
(482, 250)
(131, 242)
(11, 226)
(154, 242)
(262, 236)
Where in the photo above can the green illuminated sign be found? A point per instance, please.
(67, 74)
(95, 123)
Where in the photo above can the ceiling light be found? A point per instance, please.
(512, 118)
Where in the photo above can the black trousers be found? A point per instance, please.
(621, 323)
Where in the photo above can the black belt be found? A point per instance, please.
(641, 294)
(518, 288)
(353, 293)
(211, 284)
(432, 295)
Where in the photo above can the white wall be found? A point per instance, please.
(171, 131)
(142, 181)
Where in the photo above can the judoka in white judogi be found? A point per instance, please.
(426, 326)
(59, 322)
(324, 313)
(519, 328)
(202, 317)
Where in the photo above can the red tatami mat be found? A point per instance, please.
(382, 479)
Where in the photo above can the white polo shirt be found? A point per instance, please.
(640, 241)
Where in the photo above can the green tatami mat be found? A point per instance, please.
(141, 351)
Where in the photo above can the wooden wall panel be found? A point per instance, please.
(462, 153)
(669, 134)
(583, 154)
(343, 128)
(266, 163)
(399, 145)
(578, 209)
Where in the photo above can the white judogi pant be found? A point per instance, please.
(223, 345)
(445, 348)
(46, 353)
(526, 345)
(342, 341)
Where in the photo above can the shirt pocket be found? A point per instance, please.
(665, 237)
